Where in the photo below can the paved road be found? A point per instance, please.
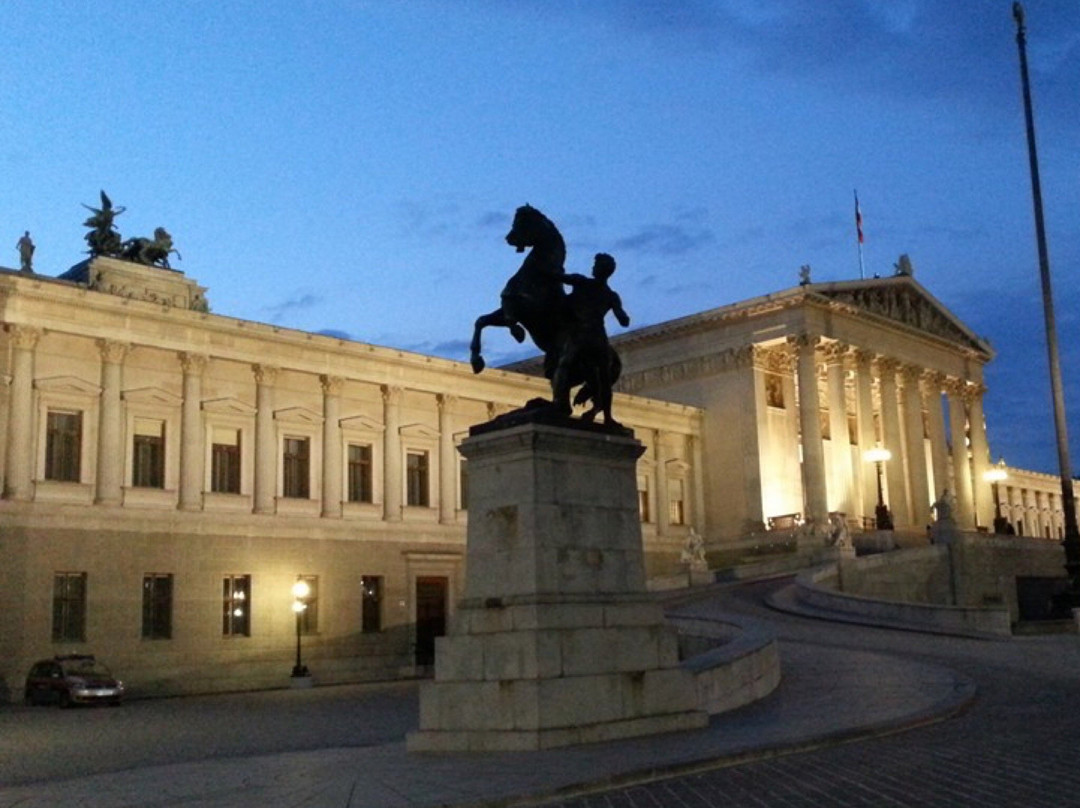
(46, 743)
(1017, 745)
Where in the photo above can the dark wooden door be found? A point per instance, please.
(430, 616)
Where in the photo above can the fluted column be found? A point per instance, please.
(192, 458)
(109, 477)
(841, 494)
(915, 445)
(932, 385)
(447, 459)
(980, 455)
(392, 481)
(864, 426)
(19, 463)
(892, 438)
(965, 506)
(265, 494)
(663, 496)
(815, 494)
(332, 460)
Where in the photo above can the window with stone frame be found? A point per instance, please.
(676, 502)
(296, 468)
(69, 607)
(417, 479)
(360, 473)
(643, 498)
(371, 604)
(63, 446)
(157, 606)
(236, 606)
(225, 460)
(148, 454)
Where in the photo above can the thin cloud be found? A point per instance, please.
(300, 302)
(665, 239)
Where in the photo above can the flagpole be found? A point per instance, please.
(859, 235)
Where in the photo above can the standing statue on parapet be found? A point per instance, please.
(25, 246)
(585, 342)
(534, 303)
(103, 238)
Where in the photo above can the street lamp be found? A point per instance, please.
(1071, 598)
(882, 518)
(994, 476)
(300, 591)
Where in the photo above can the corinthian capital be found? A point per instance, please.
(112, 352)
(24, 336)
(264, 374)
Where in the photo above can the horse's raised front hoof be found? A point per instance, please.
(517, 332)
(477, 362)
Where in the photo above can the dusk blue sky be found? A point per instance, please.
(352, 167)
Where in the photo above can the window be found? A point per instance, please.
(69, 607)
(225, 461)
(371, 604)
(296, 464)
(157, 606)
(643, 497)
(463, 483)
(416, 480)
(63, 442)
(236, 606)
(359, 473)
(309, 618)
(676, 504)
(148, 454)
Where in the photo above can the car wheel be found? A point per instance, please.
(65, 699)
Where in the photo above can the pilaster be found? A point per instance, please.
(392, 481)
(19, 484)
(332, 460)
(447, 459)
(110, 452)
(265, 440)
(192, 459)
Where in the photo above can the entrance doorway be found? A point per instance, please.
(430, 616)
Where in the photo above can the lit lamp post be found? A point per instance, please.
(1070, 599)
(300, 591)
(994, 476)
(882, 518)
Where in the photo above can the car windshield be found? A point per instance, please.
(84, 667)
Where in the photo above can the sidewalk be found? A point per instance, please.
(827, 696)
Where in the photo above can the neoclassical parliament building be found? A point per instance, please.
(170, 473)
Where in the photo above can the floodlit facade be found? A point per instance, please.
(170, 473)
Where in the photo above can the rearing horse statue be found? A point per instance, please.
(533, 300)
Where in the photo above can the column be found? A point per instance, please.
(392, 480)
(965, 506)
(864, 424)
(814, 488)
(19, 463)
(980, 455)
(915, 446)
(265, 494)
(192, 454)
(892, 440)
(447, 459)
(663, 502)
(697, 495)
(932, 385)
(841, 495)
(109, 478)
(332, 461)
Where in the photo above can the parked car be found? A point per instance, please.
(72, 679)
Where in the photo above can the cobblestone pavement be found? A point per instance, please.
(1017, 745)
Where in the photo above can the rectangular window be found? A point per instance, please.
(148, 454)
(225, 461)
(63, 443)
(360, 473)
(416, 480)
(157, 606)
(371, 604)
(69, 607)
(309, 617)
(643, 497)
(296, 468)
(676, 504)
(236, 606)
(463, 483)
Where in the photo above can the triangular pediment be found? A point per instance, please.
(154, 396)
(67, 385)
(228, 406)
(419, 431)
(298, 415)
(902, 300)
(362, 423)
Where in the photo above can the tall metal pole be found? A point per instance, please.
(1068, 503)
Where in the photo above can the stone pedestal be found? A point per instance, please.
(556, 641)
